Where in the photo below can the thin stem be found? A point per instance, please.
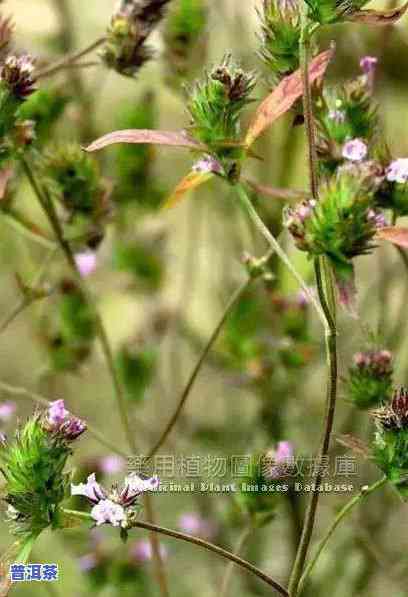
(327, 300)
(196, 370)
(49, 209)
(69, 60)
(246, 532)
(155, 545)
(364, 492)
(278, 250)
(201, 543)
(34, 397)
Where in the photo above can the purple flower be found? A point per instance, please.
(368, 64)
(112, 464)
(194, 524)
(7, 410)
(57, 412)
(278, 462)
(337, 115)
(141, 551)
(208, 164)
(86, 263)
(377, 218)
(88, 562)
(91, 489)
(110, 512)
(354, 150)
(134, 486)
(397, 171)
(377, 362)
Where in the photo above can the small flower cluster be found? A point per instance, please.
(280, 37)
(33, 466)
(369, 380)
(328, 12)
(390, 448)
(119, 506)
(132, 23)
(342, 225)
(215, 107)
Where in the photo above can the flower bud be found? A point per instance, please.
(369, 381)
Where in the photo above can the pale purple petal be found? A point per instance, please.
(207, 164)
(91, 489)
(142, 551)
(135, 485)
(57, 412)
(112, 464)
(397, 171)
(7, 410)
(107, 511)
(86, 263)
(368, 64)
(354, 150)
(88, 562)
(284, 452)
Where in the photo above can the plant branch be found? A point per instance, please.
(246, 202)
(199, 542)
(364, 492)
(70, 60)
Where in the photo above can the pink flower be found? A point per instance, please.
(377, 218)
(88, 562)
(142, 551)
(110, 512)
(91, 489)
(397, 171)
(277, 463)
(194, 524)
(86, 263)
(135, 485)
(57, 412)
(354, 150)
(208, 164)
(112, 464)
(7, 410)
(368, 64)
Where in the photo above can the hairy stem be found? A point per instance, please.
(246, 202)
(364, 492)
(199, 542)
(326, 293)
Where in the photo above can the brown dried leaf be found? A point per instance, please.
(395, 235)
(275, 193)
(188, 183)
(284, 96)
(171, 138)
(379, 17)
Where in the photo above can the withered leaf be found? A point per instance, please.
(284, 96)
(379, 17)
(188, 183)
(277, 193)
(170, 138)
(394, 234)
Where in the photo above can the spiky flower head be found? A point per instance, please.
(125, 49)
(326, 12)
(369, 381)
(280, 37)
(390, 449)
(33, 467)
(216, 105)
(119, 506)
(17, 75)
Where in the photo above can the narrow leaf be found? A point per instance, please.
(379, 17)
(172, 138)
(277, 193)
(188, 183)
(395, 235)
(284, 96)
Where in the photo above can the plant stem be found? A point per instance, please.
(70, 60)
(49, 209)
(201, 543)
(246, 202)
(364, 492)
(247, 530)
(327, 301)
(193, 376)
